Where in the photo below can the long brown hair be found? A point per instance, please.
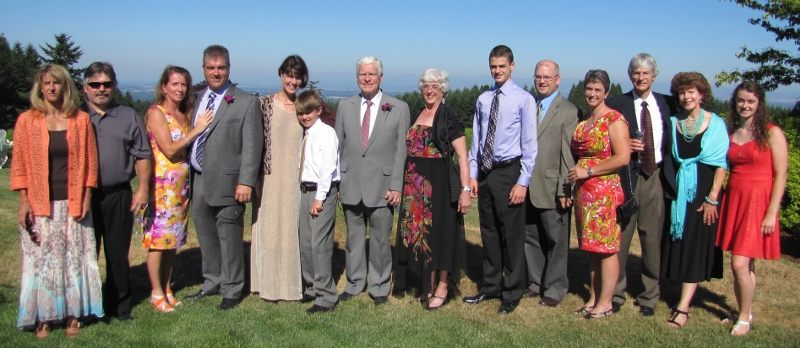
(758, 128)
(187, 104)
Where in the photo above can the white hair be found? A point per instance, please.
(643, 60)
(367, 60)
(435, 75)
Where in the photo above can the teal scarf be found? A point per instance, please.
(714, 149)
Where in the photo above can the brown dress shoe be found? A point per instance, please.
(530, 293)
(548, 302)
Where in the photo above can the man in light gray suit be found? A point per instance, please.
(372, 130)
(548, 210)
(225, 160)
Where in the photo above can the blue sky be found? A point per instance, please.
(141, 37)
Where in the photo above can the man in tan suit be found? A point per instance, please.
(548, 209)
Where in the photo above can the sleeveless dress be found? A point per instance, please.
(166, 217)
(597, 198)
(693, 258)
(430, 233)
(275, 272)
(745, 203)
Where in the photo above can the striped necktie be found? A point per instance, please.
(201, 140)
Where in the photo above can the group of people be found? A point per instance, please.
(531, 159)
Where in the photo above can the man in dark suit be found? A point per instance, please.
(225, 160)
(647, 114)
(548, 209)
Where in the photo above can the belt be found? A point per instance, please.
(115, 188)
(312, 186)
(506, 163)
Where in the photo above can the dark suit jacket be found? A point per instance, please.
(624, 104)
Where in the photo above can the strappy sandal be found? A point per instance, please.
(675, 313)
(583, 310)
(590, 316)
(73, 327)
(425, 297)
(42, 330)
(741, 323)
(161, 304)
(444, 299)
(174, 302)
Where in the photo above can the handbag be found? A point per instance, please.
(626, 210)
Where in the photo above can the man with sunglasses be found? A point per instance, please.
(121, 144)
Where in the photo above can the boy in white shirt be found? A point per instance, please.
(319, 183)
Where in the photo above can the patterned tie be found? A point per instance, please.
(201, 140)
(302, 157)
(365, 125)
(539, 114)
(649, 153)
(488, 144)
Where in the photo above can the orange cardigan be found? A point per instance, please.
(30, 169)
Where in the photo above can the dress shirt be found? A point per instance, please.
(201, 110)
(321, 164)
(515, 134)
(546, 103)
(655, 118)
(373, 111)
(121, 141)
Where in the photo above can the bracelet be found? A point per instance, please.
(711, 202)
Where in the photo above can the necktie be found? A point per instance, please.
(539, 114)
(302, 157)
(488, 144)
(201, 140)
(649, 153)
(365, 125)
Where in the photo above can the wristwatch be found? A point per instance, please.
(466, 189)
(589, 171)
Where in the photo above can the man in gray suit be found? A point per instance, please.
(372, 130)
(548, 210)
(225, 160)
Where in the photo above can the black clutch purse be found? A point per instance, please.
(626, 210)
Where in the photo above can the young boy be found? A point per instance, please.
(319, 183)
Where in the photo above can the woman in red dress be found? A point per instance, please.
(748, 225)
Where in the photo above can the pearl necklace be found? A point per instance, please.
(689, 132)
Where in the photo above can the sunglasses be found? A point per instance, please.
(96, 85)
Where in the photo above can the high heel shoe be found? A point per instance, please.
(73, 327)
(42, 330)
(174, 302)
(161, 304)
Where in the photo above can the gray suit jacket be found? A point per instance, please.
(232, 152)
(367, 173)
(549, 179)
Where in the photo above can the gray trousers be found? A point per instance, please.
(219, 231)
(316, 248)
(649, 222)
(380, 252)
(547, 250)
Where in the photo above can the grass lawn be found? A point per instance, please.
(403, 323)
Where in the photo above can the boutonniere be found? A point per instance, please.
(229, 99)
(387, 107)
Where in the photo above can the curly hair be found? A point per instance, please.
(686, 80)
(761, 119)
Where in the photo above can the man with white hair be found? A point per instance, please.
(647, 114)
(372, 130)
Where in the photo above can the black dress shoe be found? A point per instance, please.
(646, 311)
(480, 297)
(507, 306)
(379, 300)
(307, 299)
(125, 316)
(228, 303)
(319, 309)
(200, 294)
(615, 307)
(548, 302)
(345, 296)
(530, 293)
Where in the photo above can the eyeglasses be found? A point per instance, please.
(431, 87)
(96, 85)
(544, 78)
(372, 74)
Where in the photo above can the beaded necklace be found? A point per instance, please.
(689, 132)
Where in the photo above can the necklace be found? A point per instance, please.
(692, 127)
(592, 119)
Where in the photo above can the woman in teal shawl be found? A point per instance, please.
(694, 167)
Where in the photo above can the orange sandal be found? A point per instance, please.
(42, 330)
(161, 304)
(172, 300)
(73, 327)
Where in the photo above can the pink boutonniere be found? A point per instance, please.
(387, 107)
(229, 99)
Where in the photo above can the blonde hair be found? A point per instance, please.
(69, 94)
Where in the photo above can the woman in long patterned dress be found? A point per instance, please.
(166, 217)
(602, 144)
(275, 252)
(695, 168)
(54, 169)
(748, 223)
(430, 225)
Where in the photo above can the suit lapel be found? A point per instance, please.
(380, 119)
(549, 115)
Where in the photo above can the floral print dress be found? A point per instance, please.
(597, 198)
(166, 217)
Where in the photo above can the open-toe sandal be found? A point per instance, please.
(740, 324)
(174, 302)
(590, 316)
(425, 297)
(444, 299)
(583, 310)
(73, 327)
(42, 330)
(675, 313)
(161, 304)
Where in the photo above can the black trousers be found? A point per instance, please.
(113, 224)
(502, 233)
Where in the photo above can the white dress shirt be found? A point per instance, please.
(373, 111)
(219, 99)
(655, 120)
(321, 164)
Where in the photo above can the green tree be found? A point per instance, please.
(65, 53)
(16, 79)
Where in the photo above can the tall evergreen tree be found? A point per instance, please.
(16, 79)
(65, 53)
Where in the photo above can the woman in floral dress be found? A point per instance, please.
(166, 216)
(601, 142)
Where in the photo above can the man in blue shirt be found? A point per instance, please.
(501, 161)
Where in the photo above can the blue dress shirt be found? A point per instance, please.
(546, 103)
